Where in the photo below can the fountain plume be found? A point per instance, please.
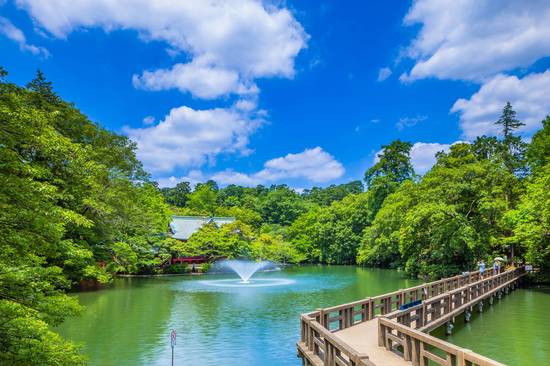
(245, 269)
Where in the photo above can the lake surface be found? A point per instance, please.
(129, 323)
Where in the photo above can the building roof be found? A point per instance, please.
(184, 226)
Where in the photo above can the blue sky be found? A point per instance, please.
(295, 92)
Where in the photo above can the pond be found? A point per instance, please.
(129, 323)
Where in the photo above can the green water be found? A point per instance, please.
(129, 323)
(514, 331)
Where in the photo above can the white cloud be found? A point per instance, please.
(530, 97)
(423, 155)
(203, 81)
(193, 177)
(190, 138)
(384, 73)
(230, 43)
(409, 122)
(476, 39)
(15, 34)
(149, 120)
(314, 165)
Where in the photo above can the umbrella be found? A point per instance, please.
(500, 259)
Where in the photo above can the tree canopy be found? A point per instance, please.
(77, 207)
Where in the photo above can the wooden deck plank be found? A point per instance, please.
(363, 338)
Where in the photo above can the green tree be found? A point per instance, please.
(393, 168)
(538, 153)
(203, 200)
(178, 195)
(531, 220)
(281, 205)
(514, 148)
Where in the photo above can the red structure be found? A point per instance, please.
(189, 260)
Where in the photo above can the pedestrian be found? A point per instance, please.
(481, 268)
(496, 267)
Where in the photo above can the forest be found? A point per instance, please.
(77, 206)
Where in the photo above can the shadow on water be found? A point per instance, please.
(122, 324)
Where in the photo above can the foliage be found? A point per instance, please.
(538, 152)
(72, 195)
(393, 168)
(332, 234)
(445, 222)
(325, 196)
(178, 195)
(531, 220)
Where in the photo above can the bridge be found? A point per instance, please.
(393, 329)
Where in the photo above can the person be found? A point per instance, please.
(481, 268)
(496, 267)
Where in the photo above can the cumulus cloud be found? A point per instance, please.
(204, 81)
(529, 97)
(15, 34)
(314, 165)
(190, 138)
(384, 73)
(230, 43)
(476, 39)
(423, 155)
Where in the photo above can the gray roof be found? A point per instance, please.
(184, 226)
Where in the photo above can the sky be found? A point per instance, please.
(297, 92)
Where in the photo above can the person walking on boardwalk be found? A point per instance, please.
(481, 268)
(497, 264)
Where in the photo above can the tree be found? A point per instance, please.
(394, 162)
(514, 148)
(203, 200)
(444, 223)
(508, 121)
(538, 153)
(325, 196)
(281, 205)
(43, 89)
(393, 168)
(73, 195)
(531, 220)
(178, 195)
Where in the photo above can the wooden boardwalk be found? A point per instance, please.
(392, 329)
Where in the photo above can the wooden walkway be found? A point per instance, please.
(392, 329)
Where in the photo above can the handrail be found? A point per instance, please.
(418, 346)
(342, 316)
(403, 330)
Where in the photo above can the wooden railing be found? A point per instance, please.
(343, 316)
(322, 347)
(402, 330)
(418, 347)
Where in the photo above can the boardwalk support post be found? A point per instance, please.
(467, 315)
(480, 306)
(449, 328)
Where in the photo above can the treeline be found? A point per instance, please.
(480, 200)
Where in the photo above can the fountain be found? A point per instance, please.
(245, 269)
